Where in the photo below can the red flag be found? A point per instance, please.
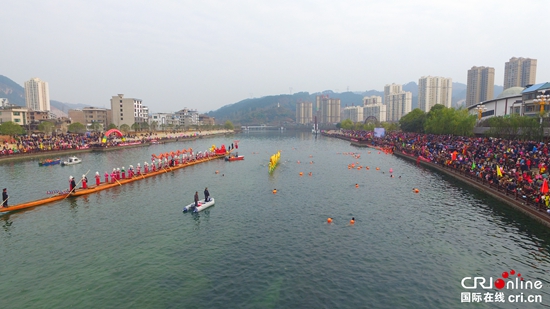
(544, 188)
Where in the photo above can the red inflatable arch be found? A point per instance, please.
(113, 131)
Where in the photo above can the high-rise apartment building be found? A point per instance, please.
(353, 113)
(480, 85)
(398, 105)
(434, 90)
(393, 88)
(373, 107)
(37, 95)
(398, 102)
(329, 109)
(520, 72)
(127, 111)
(304, 112)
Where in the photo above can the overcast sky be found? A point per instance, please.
(204, 54)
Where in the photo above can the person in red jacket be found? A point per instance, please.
(84, 182)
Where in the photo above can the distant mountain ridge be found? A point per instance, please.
(269, 109)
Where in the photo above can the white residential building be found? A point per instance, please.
(398, 105)
(375, 110)
(304, 112)
(37, 95)
(434, 90)
(127, 111)
(353, 113)
(375, 99)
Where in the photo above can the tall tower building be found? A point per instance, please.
(519, 72)
(37, 95)
(434, 90)
(304, 113)
(480, 85)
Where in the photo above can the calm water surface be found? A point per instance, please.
(132, 247)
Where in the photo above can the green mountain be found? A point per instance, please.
(12, 91)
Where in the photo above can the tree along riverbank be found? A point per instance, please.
(513, 199)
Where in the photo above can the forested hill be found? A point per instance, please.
(279, 108)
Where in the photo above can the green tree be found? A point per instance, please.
(95, 126)
(46, 127)
(229, 125)
(443, 120)
(125, 128)
(77, 127)
(413, 121)
(346, 124)
(111, 126)
(136, 126)
(11, 128)
(144, 126)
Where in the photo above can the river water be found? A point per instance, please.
(132, 247)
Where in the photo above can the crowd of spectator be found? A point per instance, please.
(514, 167)
(35, 143)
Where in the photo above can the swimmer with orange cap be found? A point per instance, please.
(352, 221)
(274, 191)
(329, 220)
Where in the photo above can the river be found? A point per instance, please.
(132, 247)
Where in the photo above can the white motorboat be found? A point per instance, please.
(202, 205)
(72, 161)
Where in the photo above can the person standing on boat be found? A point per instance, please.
(106, 177)
(196, 198)
(138, 169)
(72, 184)
(5, 197)
(84, 182)
(206, 194)
(97, 179)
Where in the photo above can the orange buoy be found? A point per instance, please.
(352, 221)
(415, 190)
(301, 173)
(274, 191)
(329, 220)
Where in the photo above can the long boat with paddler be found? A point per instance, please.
(104, 186)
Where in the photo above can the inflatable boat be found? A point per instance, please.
(202, 205)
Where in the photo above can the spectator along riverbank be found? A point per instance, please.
(39, 146)
(515, 172)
